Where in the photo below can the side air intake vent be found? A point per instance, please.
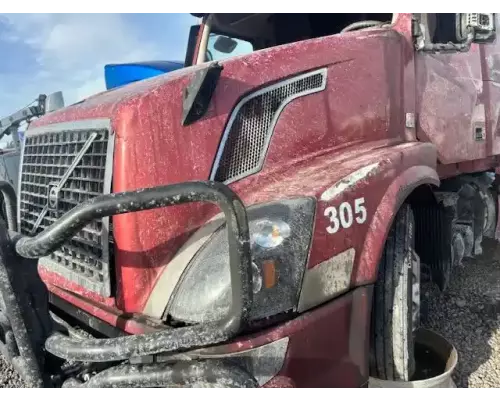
(251, 125)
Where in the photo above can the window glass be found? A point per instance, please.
(220, 47)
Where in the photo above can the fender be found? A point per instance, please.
(354, 215)
(394, 197)
(381, 175)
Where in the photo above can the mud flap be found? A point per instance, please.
(434, 240)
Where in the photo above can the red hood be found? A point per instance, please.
(106, 104)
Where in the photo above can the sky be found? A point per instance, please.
(44, 53)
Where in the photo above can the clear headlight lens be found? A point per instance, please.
(280, 235)
(269, 234)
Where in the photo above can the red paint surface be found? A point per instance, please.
(321, 351)
(326, 353)
(449, 102)
(110, 315)
(319, 139)
(365, 271)
(313, 176)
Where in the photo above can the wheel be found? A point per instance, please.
(396, 303)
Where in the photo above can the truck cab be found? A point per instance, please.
(261, 217)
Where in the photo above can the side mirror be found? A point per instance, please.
(54, 102)
(482, 27)
(224, 44)
(189, 58)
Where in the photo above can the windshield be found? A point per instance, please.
(220, 47)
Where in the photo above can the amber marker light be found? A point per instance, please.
(269, 273)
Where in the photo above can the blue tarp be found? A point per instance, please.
(117, 75)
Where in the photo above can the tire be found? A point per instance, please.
(3, 211)
(396, 303)
(490, 210)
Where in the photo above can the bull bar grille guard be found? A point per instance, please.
(27, 325)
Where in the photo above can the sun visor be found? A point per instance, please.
(199, 12)
(244, 25)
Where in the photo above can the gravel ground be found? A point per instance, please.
(8, 377)
(468, 315)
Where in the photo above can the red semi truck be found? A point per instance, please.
(263, 216)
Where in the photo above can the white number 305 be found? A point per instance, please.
(344, 216)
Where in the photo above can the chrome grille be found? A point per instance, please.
(251, 125)
(48, 157)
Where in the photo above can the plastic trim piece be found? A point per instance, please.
(242, 102)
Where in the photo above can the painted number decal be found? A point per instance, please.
(344, 216)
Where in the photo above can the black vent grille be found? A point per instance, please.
(46, 159)
(253, 123)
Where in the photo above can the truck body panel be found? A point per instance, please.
(451, 108)
(491, 73)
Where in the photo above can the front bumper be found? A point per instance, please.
(325, 347)
(319, 350)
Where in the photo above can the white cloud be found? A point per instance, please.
(70, 51)
(90, 87)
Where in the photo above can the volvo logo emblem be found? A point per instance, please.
(53, 197)
(53, 189)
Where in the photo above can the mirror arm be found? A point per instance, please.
(450, 46)
(202, 48)
(11, 123)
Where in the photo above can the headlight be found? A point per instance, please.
(280, 235)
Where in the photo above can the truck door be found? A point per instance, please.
(491, 69)
(449, 90)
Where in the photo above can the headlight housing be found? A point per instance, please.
(280, 234)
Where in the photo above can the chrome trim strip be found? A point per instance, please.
(243, 101)
(84, 124)
(19, 181)
(107, 189)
